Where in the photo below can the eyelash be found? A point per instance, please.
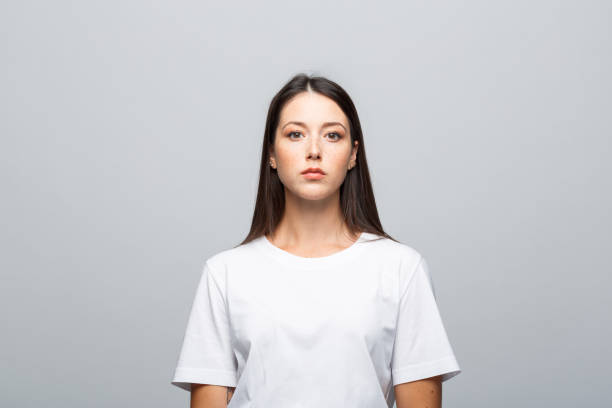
(331, 133)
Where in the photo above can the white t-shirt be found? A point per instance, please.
(334, 331)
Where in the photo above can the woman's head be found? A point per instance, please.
(312, 133)
(312, 122)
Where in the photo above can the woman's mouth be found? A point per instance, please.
(313, 173)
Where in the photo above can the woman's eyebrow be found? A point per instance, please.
(326, 124)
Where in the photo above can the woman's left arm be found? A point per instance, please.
(425, 393)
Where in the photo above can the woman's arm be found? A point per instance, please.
(210, 396)
(425, 393)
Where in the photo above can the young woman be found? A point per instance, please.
(318, 307)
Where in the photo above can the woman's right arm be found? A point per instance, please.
(210, 396)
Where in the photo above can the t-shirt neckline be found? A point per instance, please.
(305, 262)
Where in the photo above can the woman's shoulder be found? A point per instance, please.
(238, 255)
(386, 247)
(397, 256)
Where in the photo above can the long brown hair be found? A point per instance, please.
(356, 194)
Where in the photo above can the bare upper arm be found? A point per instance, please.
(210, 396)
(419, 394)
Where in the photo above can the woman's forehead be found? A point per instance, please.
(312, 109)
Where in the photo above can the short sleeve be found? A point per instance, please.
(421, 348)
(206, 356)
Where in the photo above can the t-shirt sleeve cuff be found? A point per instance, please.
(446, 366)
(185, 376)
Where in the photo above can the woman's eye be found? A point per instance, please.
(333, 136)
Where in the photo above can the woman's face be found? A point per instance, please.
(312, 132)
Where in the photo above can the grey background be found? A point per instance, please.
(131, 135)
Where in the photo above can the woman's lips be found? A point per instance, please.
(313, 175)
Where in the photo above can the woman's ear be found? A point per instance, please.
(272, 160)
(354, 152)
